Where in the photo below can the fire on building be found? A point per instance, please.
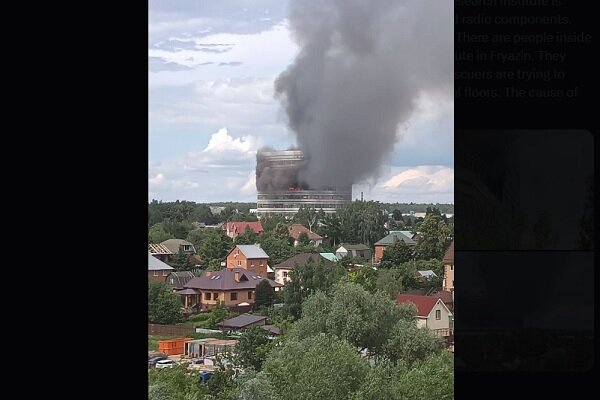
(281, 189)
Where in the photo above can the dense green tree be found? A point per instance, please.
(409, 343)
(321, 367)
(174, 384)
(211, 244)
(361, 222)
(434, 238)
(248, 237)
(263, 295)
(157, 234)
(164, 306)
(303, 239)
(276, 247)
(397, 253)
(178, 229)
(270, 222)
(307, 279)
(202, 213)
(181, 262)
(252, 348)
(257, 388)
(397, 215)
(309, 217)
(430, 379)
(365, 276)
(390, 281)
(351, 313)
(332, 229)
(218, 313)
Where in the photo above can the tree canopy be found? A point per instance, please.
(351, 313)
(264, 294)
(434, 237)
(320, 367)
(164, 306)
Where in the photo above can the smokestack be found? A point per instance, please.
(357, 79)
(361, 196)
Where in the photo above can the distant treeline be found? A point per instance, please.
(190, 211)
(405, 208)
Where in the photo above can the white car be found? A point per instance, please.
(165, 364)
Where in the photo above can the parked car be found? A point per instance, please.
(152, 361)
(165, 363)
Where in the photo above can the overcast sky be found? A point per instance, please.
(212, 67)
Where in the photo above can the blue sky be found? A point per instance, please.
(212, 67)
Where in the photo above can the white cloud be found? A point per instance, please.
(221, 142)
(422, 179)
(223, 151)
(420, 184)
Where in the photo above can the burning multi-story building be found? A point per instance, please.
(281, 189)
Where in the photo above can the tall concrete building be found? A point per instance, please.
(281, 191)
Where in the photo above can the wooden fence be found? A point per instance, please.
(169, 330)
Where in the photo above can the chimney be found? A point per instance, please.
(208, 273)
(361, 196)
(236, 276)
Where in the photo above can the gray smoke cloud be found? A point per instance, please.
(360, 69)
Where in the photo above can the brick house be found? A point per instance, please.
(249, 257)
(235, 228)
(389, 240)
(157, 270)
(232, 286)
(448, 284)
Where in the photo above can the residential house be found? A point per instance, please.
(389, 240)
(284, 269)
(447, 298)
(178, 279)
(160, 251)
(448, 284)
(295, 230)
(355, 251)
(242, 322)
(432, 313)
(174, 245)
(235, 228)
(232, 286)
(157, 270)
(249, 257)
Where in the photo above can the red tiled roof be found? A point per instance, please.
(449, 256)
(240, 226)
(424, 303)
(296, 229)
(445, 296)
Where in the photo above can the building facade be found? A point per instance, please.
(288, 196)
(249, 257)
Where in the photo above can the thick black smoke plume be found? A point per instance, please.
(360, 69)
